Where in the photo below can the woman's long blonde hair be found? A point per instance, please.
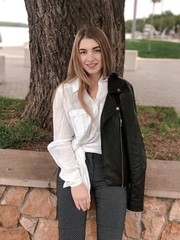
(75, 69)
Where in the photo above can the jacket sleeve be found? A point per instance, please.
(136, 155)
(61, 147)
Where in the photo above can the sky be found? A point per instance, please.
(14, 10)
(145, 8)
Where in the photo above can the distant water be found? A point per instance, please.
(14, 36)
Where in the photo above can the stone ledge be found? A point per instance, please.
(38, 169)
(162, 179)
(27, 168)
(130, 63)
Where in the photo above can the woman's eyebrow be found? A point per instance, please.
(84, 49)
(96, 47)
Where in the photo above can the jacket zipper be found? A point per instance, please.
(120, 132)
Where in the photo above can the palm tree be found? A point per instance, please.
(154, 2)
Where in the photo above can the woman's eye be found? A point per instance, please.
(97, 50)
(82, 52)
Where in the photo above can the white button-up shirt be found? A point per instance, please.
(75, 132)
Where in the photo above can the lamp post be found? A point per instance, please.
(161, 21)
(134, 20)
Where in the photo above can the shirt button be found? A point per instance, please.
(117, 108)
(118, 89)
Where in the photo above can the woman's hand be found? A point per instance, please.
(81, 197)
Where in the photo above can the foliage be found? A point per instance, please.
(155, 1)
(13, 24)
(139, 25)
(159, 49)
(165, 21)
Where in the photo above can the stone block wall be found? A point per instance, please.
(28, 213)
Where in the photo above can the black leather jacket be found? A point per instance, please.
(122, 144)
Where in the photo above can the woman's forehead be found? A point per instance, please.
(88, 43)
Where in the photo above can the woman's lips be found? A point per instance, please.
(92, 65)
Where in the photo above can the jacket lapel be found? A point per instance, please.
(115, 86)
(108, 110)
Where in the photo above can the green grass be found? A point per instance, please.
(14, 131)
(160, 128)
(10, 108)
(158, 49)
(161, 131)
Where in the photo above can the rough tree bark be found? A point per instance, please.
(52, 26)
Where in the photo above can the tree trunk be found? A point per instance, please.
(52, 26)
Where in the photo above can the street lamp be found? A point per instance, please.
(134, 20)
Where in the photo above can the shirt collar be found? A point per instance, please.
(75, 84)
(102, 79)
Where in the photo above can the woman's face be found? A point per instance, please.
(90, 56)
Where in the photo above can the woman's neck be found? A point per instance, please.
(95, 78)
(93, 89)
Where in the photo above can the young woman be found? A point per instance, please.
(97, 142)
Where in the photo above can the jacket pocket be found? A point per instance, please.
(80, 121)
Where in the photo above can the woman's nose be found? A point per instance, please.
(90, 56)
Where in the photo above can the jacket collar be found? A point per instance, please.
(116, 84)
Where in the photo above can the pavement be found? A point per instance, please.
(156, 82)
